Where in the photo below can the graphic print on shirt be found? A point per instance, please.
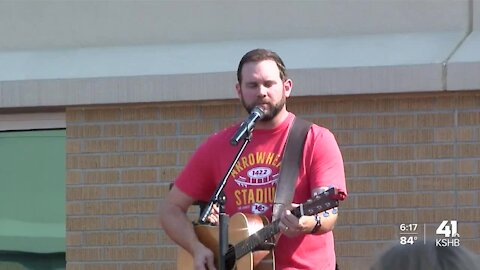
(255, 177)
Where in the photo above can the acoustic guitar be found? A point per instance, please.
(251, 236)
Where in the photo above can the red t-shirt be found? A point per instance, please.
(251, 186)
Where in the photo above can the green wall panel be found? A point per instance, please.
(32, 191)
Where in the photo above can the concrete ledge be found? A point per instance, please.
(368, 80)
(323, 66)
(214, 86)
(464, 66)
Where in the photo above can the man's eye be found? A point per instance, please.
(251, 85)
(268, 84)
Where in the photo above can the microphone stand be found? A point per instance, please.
(219, 198)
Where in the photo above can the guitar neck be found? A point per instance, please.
(244, 247)
(319, 203)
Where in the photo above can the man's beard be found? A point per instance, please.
(271, 110)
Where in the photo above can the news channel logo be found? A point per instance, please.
(446, 234)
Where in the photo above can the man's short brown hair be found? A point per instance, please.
(258, 55)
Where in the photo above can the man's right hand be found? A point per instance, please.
(214, 216)
(203, 258)
(179, 228)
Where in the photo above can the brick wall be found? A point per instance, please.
(409, 158)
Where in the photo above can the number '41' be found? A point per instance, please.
(448, 230)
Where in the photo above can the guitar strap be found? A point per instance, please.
(290, 165)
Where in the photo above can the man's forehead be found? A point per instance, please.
(265, 68)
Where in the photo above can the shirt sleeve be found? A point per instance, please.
(196, 179)
(326, 162)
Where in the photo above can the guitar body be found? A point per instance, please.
(240, 227)
(247, 233)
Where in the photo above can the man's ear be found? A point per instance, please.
(239, 90)
(287, 86)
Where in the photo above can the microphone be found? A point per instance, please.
(247, 126)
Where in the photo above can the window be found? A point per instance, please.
(32, 199)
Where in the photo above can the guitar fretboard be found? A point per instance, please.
(244, 247)
(320, 203)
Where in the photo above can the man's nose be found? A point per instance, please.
(262, 91)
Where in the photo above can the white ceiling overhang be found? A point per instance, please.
(83, 52)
